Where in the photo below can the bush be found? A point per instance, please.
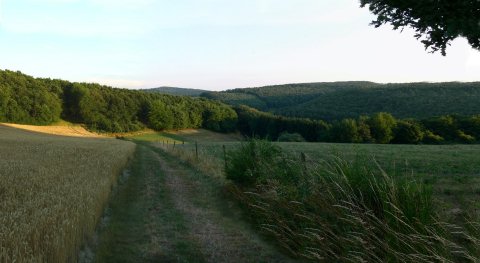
(465, 138)
(260, 162)
(250, 161)
(432, 138)
(408, 133)
(290, 137)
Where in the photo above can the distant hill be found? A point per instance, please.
(177, 91)
(338, 100)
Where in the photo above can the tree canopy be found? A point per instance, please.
(436, 22)
(332, 101)
(24, 99)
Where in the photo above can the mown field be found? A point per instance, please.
(53, 191)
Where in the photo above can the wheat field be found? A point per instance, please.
(53, 190)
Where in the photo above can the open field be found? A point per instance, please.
(453, 171)
(371, 202)
(53, 190)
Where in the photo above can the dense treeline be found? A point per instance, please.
(177, 91)
(340, 100)
(254, 123)
(24, 99)
(379, 128)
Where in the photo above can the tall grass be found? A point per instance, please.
(334, 210)
(344, 211)
(53, 191)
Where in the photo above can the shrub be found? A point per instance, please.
(432, 138)
(250, 161)
(465, 138)
(408, 133)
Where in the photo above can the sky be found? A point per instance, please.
(217, 44)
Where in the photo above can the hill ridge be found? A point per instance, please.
(338, 100)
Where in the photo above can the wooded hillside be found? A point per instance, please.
(28, 100)
(176, 91)
(339, 100)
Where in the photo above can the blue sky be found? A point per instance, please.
(216, 44)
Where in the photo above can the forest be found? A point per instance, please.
(176, 91)
(28, 100)
(381, 127)
(339, 100)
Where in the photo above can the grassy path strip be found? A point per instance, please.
(167, 212)
(215, 223)
(144, 225)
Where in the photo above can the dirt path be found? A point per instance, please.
(167, 212)
(221, 234)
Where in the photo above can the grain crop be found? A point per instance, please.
(64, 130)
(53, 191)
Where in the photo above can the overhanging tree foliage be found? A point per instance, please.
(436, 22)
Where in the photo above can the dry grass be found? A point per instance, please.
(53, 191)
(64, 130)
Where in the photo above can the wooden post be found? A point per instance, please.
(174, 145)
